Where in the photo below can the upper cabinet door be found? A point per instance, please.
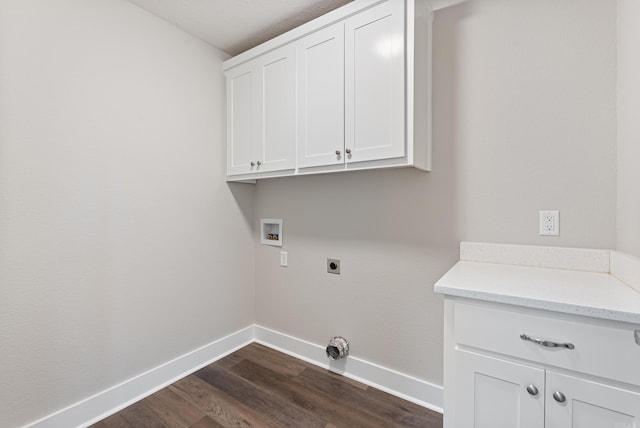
(276, 110)
(578, 403)
(261, 111)
(241, 91)
(320, 58)
(374, 83)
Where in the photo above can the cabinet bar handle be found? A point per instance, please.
(547, 343)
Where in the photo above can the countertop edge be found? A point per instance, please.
(548, 305)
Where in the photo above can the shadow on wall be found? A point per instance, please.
(405, 205)
(243, 194)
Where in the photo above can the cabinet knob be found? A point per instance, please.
(531, 389)
(338, 152)
(559, 397)
(348, 151)
(259, 163)
(253, 164)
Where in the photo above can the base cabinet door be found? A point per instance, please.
(573, 402)
(495, 393)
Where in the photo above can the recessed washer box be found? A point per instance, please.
(271, 231)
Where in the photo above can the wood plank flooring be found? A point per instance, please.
(259, 387)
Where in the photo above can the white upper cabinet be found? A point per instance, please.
(321, 97)
(348, 90)
(240, 120)
(260, 105)
(276, 113)
(374, 83)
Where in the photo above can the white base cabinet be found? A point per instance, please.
(349, 90)
(492, 393)
(590, 404)
(559, 372)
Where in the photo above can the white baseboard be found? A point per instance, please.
(105, 403)
(116, 398)
(401, 385)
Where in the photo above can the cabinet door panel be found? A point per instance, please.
(320, 58)
(374, 83)
(590, 404)
(240, 120)
(277, 110)
(491, 393)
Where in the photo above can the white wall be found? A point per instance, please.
(525, 98)
(629, 127)
(121, 246)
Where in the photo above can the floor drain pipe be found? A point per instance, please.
(338, 348)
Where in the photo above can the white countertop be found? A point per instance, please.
(591, 294)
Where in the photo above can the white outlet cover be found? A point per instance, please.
(284, 259)
(550, 223)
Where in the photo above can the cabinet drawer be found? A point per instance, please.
(609, 351)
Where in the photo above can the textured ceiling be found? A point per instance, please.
(237, 25)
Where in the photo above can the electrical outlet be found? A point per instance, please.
(333, 266)
(550, 223)
(283, 258)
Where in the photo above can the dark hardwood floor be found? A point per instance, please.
(259, 387)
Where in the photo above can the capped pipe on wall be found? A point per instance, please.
(338, 348)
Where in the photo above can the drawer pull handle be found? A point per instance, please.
(531, 389)
(547, 343)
